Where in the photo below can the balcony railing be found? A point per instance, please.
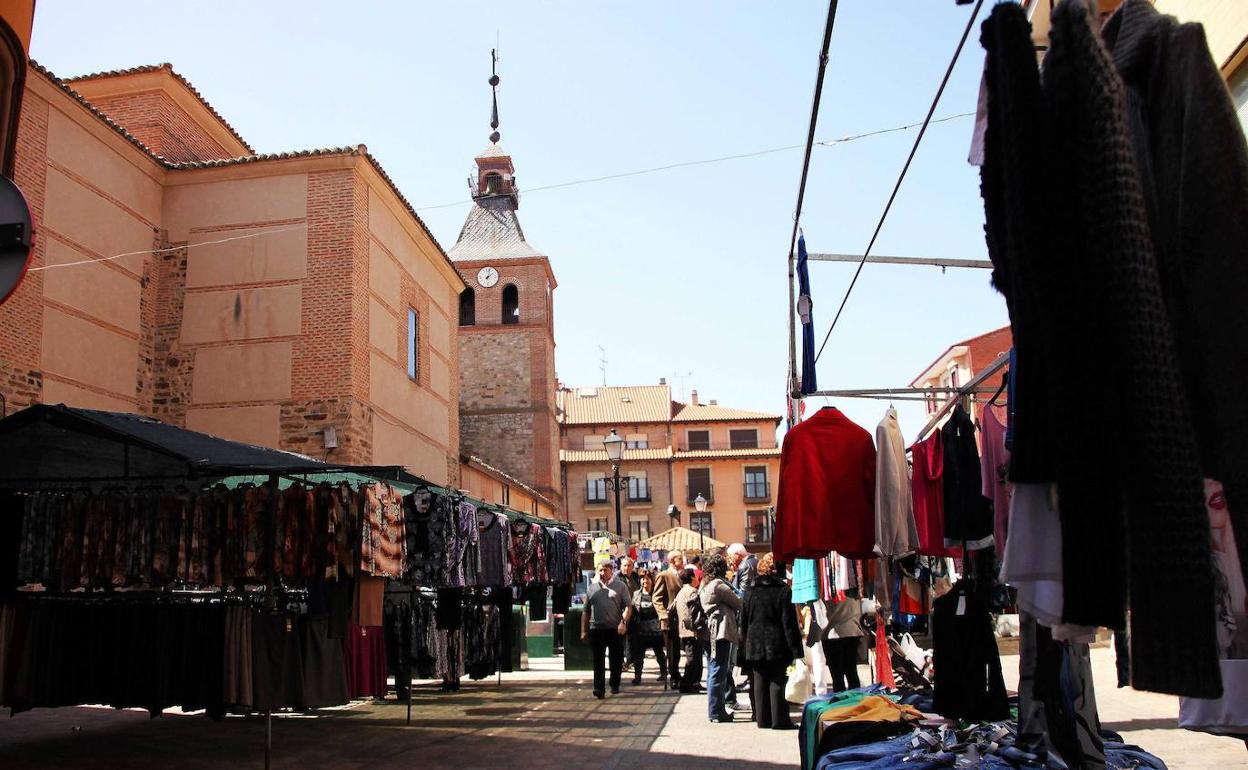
(757, 491)
(706, 491)
(593, 498)
(685, 445)
(642, 497)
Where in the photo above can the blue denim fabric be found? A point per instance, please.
(730, 692)
(867, 752)
(717, 679)
(1121, 756)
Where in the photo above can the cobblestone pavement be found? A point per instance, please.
(537, 719)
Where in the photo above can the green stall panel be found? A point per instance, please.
(576, 654)
(519, 639)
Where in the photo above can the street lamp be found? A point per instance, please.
(699, 503)
(615, 452)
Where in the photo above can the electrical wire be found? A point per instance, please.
(821, 143)
(902, 176)
(167, 249)
(705, 161)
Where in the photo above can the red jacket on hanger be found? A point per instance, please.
(927, 486)
(826, 498)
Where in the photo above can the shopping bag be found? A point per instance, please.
(797, 689)
(913, 652)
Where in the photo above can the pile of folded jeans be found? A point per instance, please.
(871, 744)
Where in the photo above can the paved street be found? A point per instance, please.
(537, 719)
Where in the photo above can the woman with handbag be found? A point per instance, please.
(645, 632)
(770, 641)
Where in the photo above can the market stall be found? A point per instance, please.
(144, 565)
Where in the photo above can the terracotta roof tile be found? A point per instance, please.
(616, 405)
(166, 66)
(716, 454)
(600, 455)
(709, 412)
(473, 459)
(259, 157)
(61, 84)
(678, 539)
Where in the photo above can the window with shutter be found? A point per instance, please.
(698, 439)
(743, 438)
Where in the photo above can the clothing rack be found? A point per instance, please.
(970, 387)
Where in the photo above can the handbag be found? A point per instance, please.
(797, 689)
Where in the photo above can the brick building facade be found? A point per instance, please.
(507, 403)
(960, 363)
(262, 298)
(674, 451)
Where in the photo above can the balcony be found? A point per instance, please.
(707, 491)
(594, 498)
(757, 491)
(640, 497)
(685, 445)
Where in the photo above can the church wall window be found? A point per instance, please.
(468, 307)
(511, 304)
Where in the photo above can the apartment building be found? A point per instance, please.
(674, 452)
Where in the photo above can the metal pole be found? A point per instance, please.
(792, 384)
(268, 737)
(615, 471)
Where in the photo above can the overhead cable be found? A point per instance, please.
(902, 176)
(166, 249)
(705, 161)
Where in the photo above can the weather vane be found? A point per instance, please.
(494, 136)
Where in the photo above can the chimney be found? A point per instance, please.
(714, 402)
(662, 380)
(693, 398)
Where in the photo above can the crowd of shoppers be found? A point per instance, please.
(720, 609)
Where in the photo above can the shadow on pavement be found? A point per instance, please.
(525, 725)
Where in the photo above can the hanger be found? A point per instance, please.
(1005, 381)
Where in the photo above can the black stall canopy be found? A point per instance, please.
(49, 443)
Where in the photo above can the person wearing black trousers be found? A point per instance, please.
(771, 640)
(608, 608)
(644, 633)
(841, 642)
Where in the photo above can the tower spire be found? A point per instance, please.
(494, 135)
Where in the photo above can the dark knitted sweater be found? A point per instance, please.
(1017, 189)
(1038, 246)
(1090, 297)
(1194, 165)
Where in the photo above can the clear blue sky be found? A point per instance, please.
(679, 273)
